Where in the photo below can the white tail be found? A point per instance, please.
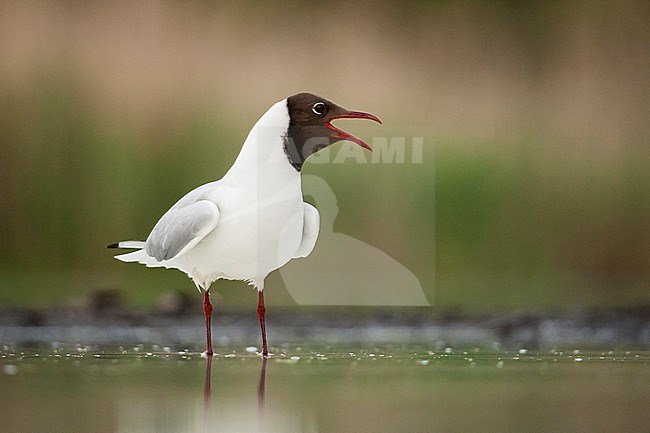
(140, 256)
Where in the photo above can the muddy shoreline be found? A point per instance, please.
(107, 323)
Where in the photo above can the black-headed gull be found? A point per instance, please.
(253, 220)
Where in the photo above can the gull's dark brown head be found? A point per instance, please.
(310, 127)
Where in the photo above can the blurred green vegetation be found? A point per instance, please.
(546, 206)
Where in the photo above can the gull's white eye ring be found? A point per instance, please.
(319, 108)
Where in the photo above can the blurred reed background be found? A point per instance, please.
(533, 189)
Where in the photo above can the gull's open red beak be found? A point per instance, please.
(342, 135)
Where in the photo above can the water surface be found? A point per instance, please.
(321, 389)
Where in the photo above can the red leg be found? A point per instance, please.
(261, 310)
(207, 310)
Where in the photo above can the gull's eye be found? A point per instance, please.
(319, 108)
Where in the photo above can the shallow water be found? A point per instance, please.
(321, 389)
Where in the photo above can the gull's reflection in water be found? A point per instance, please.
(207, 393)
(260, 397)
(207, 396)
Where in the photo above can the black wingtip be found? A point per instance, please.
(115, 245)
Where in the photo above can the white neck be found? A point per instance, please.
(262, 161)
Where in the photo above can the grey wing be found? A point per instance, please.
(181, 228)
(310, 229)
